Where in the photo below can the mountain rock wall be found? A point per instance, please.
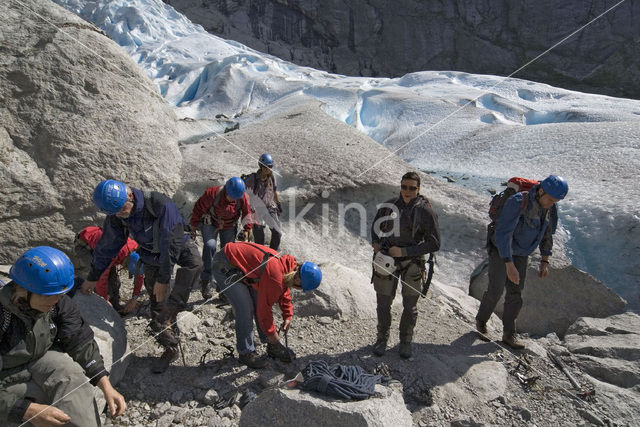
(75, 110)
(392, 38)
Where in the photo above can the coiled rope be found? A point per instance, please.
(346, 382)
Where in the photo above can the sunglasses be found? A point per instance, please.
(262, 165)
(408, 187)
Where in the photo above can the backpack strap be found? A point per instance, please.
(5, 321)
(263, 263)
(149, 206)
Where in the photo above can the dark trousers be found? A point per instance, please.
(258, 236)
(187, 274)
(498, 282)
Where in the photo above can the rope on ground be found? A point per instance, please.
(346, 382)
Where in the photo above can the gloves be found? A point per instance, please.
(279, 351)
(242, 236)
(194, 234)
(279, 207)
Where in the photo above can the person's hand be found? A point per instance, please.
(45, 415)
(512, 273)
(129, 306)
(242, 236)
(88, 287)
(279, 207)
(160, 291)
(376, 248)
(115, 400)
(194, 234)
(543, 272)
(285, 324)
(395, 251)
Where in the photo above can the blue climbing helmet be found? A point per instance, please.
(110, 196)
(266, 160)
(555, 186)
(310, 276)
(234, 187)
(134, 257)
(44, 271)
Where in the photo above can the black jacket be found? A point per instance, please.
(29, 335)
(412, 227)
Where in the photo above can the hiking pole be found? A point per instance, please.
(564, 369)
(184, 362)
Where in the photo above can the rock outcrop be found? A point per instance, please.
(552, 304)
(384, 38)
(76, 110)
(280, 407)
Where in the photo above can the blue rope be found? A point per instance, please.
(346, 382)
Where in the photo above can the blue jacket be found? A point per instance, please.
(158, 229)
(519, 232)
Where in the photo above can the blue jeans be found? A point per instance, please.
(243, 299)
(210, 237)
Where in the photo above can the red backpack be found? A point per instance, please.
(514, 185)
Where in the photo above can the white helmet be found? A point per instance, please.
(383, 264)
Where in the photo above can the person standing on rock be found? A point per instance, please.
(527, 220)
(254, 278)
(155, 223)
(217, 212)
(266, 211)
(404, 229)
(108, 286)
(35, 316)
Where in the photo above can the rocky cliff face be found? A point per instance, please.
(75, 110)
(392, 38)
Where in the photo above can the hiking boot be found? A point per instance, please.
(405, 350)
(510, 340)
(205, 289)
(252, 360)
(380, 347)
(162, 363)
(481, 327)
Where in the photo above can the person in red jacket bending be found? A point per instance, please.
(254, 278)
(216, 213)
(108, 286)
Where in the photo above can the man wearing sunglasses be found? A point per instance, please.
(405, 229)
(264, 201)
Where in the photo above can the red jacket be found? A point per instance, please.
(271, 288)
(225, 214)
(91, 235)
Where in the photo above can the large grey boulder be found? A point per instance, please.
(607, 349)
(552, 304)
(109, 332)
(372, 39)
(76, 110)
(282, 407)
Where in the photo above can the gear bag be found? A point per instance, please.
(514, 185)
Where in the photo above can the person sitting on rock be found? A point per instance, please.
(527, 220)
(254, 278)
(404, 229)
(108, 286)
(154, 222)
(40, 327)
(267, 209)
(216, 212)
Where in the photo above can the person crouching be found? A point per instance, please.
(254, 277)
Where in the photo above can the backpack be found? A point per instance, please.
(514, 185)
